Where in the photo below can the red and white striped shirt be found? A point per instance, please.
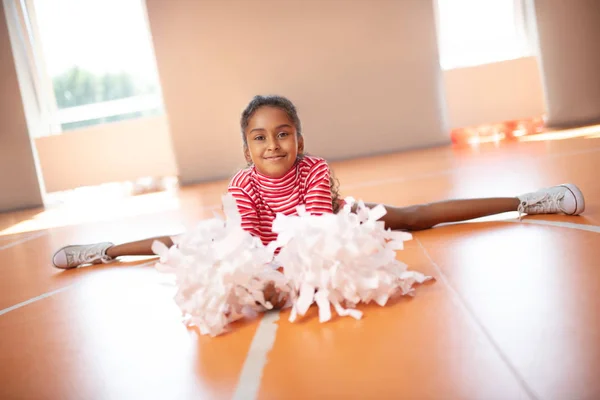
(260, 198)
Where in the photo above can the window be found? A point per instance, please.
(475, 32)
(94, 61)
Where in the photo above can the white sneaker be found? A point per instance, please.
(74, 256)
(566, 198)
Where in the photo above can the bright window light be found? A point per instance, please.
(476, 32)
(99, 59)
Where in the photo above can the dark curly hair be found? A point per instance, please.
(286, 105)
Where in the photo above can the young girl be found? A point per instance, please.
(280, 177)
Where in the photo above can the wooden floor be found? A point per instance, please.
(514, 312)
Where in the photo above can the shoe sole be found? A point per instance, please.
(579, 200)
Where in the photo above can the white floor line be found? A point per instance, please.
(20, 235)
(560, 224)
(23, 240)
(52, 293)
(256, 359)
(33, 300)
(461, 302)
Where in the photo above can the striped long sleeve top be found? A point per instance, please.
(260, 198)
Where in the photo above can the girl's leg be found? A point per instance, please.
(567, 199)
(76, 255)
(426, 216)
(138, 248)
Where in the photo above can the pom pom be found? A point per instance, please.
(220, 271)
(341, 260)
(337, 260)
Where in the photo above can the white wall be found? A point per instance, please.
(365, 75)
(497, 92)
(569, 49)
(114, 152)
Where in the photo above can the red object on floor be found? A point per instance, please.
(496, 132)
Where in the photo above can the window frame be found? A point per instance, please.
(22, 16)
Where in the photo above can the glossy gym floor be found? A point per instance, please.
(514, 312)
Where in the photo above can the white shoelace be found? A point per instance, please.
(90, 254)
(545, 203)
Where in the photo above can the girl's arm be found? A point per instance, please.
(247, 209)
(318, 194)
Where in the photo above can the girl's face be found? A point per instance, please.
(273, 144)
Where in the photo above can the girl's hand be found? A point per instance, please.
(275, 296)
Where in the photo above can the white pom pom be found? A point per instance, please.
(341, 260)
(337, 260)
(220, 270)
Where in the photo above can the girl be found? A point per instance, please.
(280, 176)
